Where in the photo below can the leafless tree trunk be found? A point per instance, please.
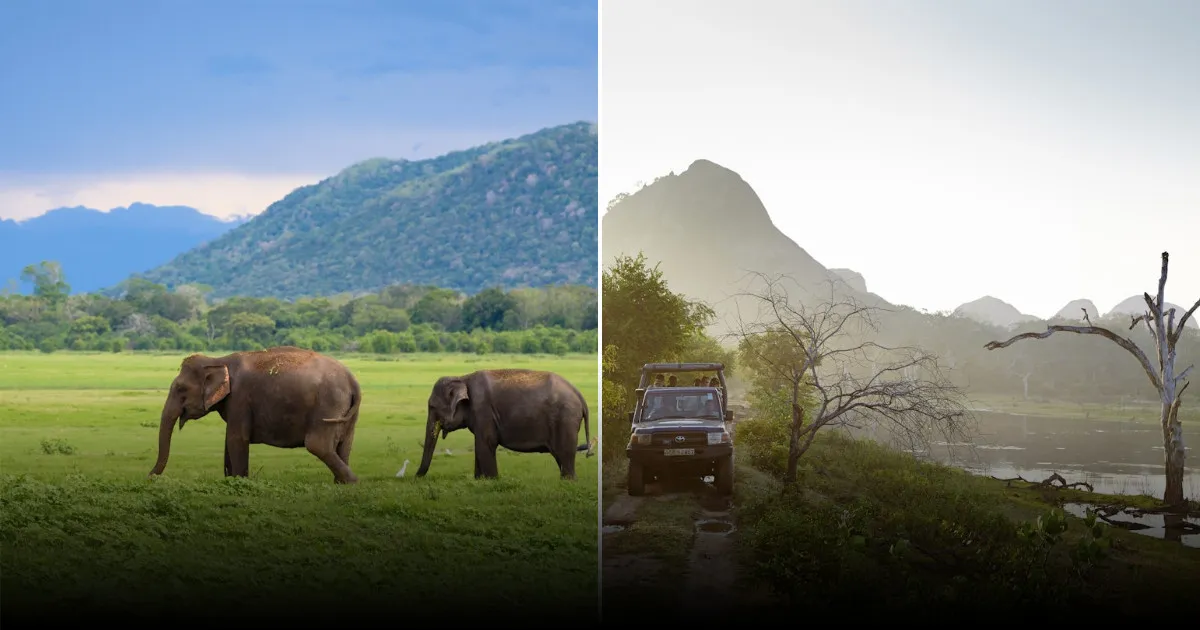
(1170, 385)
(904, 391)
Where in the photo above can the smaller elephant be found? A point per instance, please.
(525, 411)
(286, 397)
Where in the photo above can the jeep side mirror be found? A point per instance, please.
(729, 416)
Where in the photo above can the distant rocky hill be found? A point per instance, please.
(97, 249)
(994, 311)
(1075, 309)
(709, 229)
(1136, 305)
(852, 278)
(521, 212)
(706, 229)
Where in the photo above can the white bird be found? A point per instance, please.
(402, 468)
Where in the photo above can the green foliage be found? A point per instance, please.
(522, 212)
(57, 447)
(763, 438)
(774, 365)
(644, 322)
(398, 319)
(865, 519)
(92, 530)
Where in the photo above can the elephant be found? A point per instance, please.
(285, 396)
(525, 411)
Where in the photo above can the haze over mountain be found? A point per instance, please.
(521, 212)
(994, 311)
(97, 249)
(1075, 308)
(708, 229)
(1136, 305)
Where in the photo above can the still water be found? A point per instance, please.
(1114, 456)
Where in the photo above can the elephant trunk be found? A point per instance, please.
(170, 413)
(431, 437)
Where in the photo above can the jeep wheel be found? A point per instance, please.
(636, 482)
(725, 476)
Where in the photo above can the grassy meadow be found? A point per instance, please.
(83, 529)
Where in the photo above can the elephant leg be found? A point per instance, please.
(321, 444)
(566, 464)
(343, 447)
(485, 456)
(477, 473)
(228, 466)
(237, 452)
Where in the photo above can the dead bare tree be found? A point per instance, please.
(856, 381)
(1170, 385)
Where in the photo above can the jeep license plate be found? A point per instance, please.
(679, 451)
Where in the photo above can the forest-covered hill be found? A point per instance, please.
(521, 212)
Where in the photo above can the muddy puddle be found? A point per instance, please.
(1184, 530)
(714, 527)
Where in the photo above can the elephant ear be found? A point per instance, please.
(216, 385)
(456, 393)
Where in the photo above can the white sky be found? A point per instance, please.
(1036, 153)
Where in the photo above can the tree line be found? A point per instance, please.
(645, 322)
(143, 315)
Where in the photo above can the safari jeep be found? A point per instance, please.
(680, 430)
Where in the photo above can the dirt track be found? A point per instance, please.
(708, 569)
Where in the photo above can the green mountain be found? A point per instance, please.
(521, 212)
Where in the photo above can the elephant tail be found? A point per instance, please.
(355, 401)
(587, 446)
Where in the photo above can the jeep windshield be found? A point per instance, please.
(666, 405)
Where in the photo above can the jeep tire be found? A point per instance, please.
(635, 480)
(724, 476)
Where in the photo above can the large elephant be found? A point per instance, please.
(286, 397)
(526, 411)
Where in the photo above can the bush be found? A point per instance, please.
(867, 526)
(763, 443)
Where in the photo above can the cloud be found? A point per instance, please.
(221, 195)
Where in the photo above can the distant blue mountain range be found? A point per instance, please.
(100, 249)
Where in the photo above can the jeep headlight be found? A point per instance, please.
(718, 437)
(641, 439)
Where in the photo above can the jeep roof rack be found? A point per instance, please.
(683, 367)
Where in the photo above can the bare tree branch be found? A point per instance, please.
(907, 395)
(1160, 321)
(1183, 323)
(1125, 343)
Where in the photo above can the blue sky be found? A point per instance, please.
(106, 101)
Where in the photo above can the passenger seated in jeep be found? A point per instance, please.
(672, 382)
(714, 382)
(660, 405)
(658, 380)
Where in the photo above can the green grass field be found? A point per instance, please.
(82, 527)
